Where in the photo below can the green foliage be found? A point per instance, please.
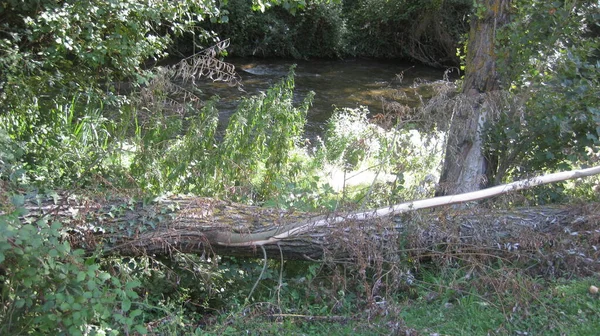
(426, 31)
(50, 52)
(423, 31)
(10, 153)
(259, 158)
(48, 288)
(61, 64)
(56, 147)
(162, 156)
(253, 154)
(358, 162)
(261, 135)
(350, 137)
(283, 31)
(550, 62)
(406, 160)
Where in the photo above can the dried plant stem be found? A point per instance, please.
(262, 272)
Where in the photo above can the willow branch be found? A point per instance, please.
(424, 204)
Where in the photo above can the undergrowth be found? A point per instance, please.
(66, 125)
(402, 285)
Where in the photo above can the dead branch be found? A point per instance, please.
(206, 226)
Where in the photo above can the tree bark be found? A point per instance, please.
(547, 237)
(206, 226)
(465, 168)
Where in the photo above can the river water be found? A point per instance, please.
(337, 83)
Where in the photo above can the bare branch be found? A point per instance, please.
(207, 226)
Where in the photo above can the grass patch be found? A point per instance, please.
(561, 307)
(556, 307)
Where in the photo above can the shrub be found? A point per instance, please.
(56, 147)
(48, 288)
(316, 30)
(244, 164)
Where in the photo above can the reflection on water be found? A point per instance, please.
(347, 83)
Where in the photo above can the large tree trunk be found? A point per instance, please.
(465, 166)
(207, 226)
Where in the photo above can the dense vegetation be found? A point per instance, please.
(85, 110)
(425, 31)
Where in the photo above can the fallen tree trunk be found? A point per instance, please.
(167, 225)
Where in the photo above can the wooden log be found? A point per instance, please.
(187, 224)
(207, 227)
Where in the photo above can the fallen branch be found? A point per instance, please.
(207, 226)
(424, 204)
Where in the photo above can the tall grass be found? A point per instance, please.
(244, 164)
(55, 146)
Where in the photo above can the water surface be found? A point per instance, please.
(337, 84)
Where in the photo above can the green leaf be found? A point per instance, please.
(53, 253)
(132, 284)
(125, 304)
(104, 276)
(65, 306)
(141, 329)
(17, 200)
(56, 226)
(135, 313)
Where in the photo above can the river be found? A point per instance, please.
(337, 83)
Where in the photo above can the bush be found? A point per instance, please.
(318, 30)
(56, 147)
(425, 31)
(557, 83)
(254, 151)
(428, 33)
(49, 289)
